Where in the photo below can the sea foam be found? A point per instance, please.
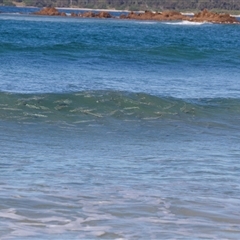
(187, 23)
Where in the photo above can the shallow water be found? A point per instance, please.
(118, 129)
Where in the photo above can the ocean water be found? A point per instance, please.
(118, 129)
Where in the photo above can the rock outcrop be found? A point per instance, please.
(104, 15)
(164, 16)
(95, 15)
(50, 11)
(203, 16)
(207, 16)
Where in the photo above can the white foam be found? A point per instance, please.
(96, 213)
(147, 22)
(186, 23)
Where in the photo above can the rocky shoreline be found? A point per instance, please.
(203, 16)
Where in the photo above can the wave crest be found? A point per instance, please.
(89, 105)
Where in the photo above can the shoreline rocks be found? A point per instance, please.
(203, 16)
(164, 16)
(208, 16)
(50, 11)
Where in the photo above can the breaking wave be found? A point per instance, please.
(187, 23)
(93, 105)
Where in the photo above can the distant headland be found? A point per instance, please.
(227, 6)
(203, 16)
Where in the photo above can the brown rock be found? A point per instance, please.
(50, 11)
(88, 14)
(123, 16)
(148, 15)
(203, 16)
(74, 14)
(173, 16)
(207, 16)
(103, 15)
(63, 14)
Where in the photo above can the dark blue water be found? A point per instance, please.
(118, 129)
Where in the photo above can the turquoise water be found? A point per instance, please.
(114, 129)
